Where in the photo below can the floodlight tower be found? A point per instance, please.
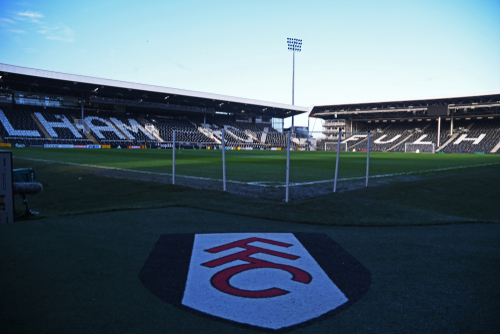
(294, 44)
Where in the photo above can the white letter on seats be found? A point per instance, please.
(354, 138)
(474, 140)
(419, 141)
(379, 141)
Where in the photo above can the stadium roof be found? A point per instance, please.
(106, 91)
(487, 103)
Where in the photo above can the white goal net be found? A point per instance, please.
(81, 125)
(420, 148)
(332, 146)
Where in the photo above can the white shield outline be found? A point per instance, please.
(166, 270)
(303, 303)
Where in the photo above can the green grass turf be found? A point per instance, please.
(445, 197)
(260, 166)
(79, 274)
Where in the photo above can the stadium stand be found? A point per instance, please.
(60, 128)
(475, 136)
(34, 125)
(187, 132)
(18, 124)
(235, 135)
(104, 131)
(468, 136)
(132, 129)
(275, 138)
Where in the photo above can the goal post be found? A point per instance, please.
(348, 154)
(332, 146)
(81, 125)
(152, 130)
(340, 143)
(420, 148)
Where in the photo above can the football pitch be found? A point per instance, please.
(265, 166)
(262, 173)
(428, 237)
(422, 188)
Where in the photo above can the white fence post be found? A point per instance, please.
(337, 163)
(287, 166)
(368, 159)
(223, 160)
(173, 159)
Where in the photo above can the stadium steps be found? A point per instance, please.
(401, 142)
(408, 137)
(91, 138)
(87, 134)
(263, 137)
(46, 134)
(359, 142)
(494, 150)
(240, 142)
(452, 138)
(142, 120)
(252, 135)
(234, 136)
(119, 130)
(157, 136)
(228, 132)
(207, 132)
(440, 148)
(423, 129)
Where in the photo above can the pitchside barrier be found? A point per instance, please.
(266, 164)
(195, 159)
(344, 165)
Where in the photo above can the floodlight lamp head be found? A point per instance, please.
(294, 44)
(95, 90)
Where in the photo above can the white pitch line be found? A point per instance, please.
(394, 174)
(261, 183)
(128, 170)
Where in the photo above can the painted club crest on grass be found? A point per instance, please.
(267, 280)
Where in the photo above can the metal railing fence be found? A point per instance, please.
(239, 137)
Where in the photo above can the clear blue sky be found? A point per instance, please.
(352, 51)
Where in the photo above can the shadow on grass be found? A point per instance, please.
(448, 198)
